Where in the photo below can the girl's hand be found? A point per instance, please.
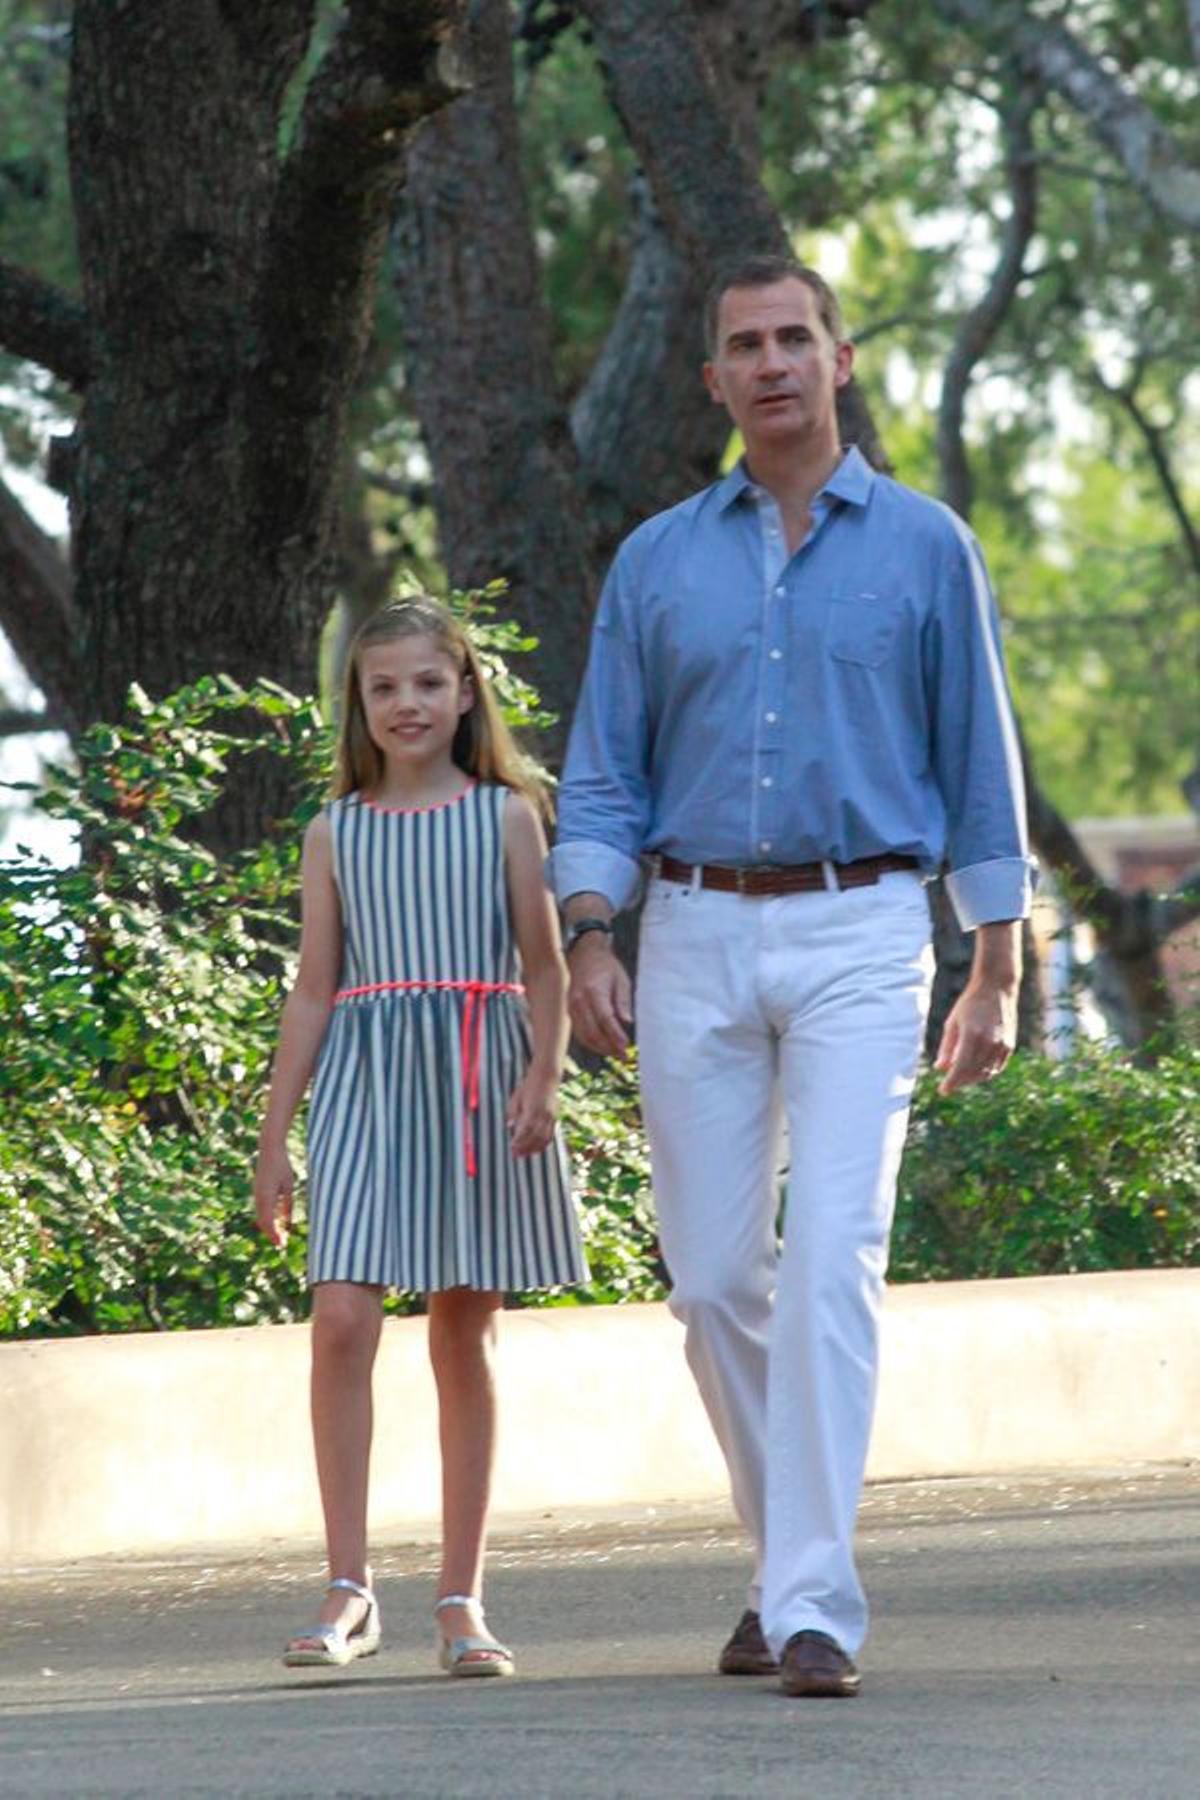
(274, 1185)
(531, 1113)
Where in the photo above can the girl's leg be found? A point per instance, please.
(345, 1335)
(462, 1341)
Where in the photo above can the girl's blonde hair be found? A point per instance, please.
(483, 745)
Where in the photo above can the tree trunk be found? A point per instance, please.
(226, 300)
(1130, 928)
(479, 366)
(520, 490)
(167, 550)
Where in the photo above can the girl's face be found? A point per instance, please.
(413, 696)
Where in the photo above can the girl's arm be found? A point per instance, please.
(305, 1016)
(534, 1104)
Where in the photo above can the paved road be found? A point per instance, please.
(1034, 1637)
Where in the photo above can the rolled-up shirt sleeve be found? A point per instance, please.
(604, 795)
(976, 756)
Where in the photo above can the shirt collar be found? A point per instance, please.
(852, 481)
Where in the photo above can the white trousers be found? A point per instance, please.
(808, 1007)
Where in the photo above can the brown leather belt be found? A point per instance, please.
(783, 878)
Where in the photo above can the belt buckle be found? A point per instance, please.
(749, 872)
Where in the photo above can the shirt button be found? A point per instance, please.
(765, 845)
(775, 655)
(766, 781)
(780, 593)
(771, 718)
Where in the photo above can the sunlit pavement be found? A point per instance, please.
(1030, 1636)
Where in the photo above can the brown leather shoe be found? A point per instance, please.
(747, 1652)
(816, 1668)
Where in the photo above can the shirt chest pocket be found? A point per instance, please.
(864, 628)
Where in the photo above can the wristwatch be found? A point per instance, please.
(576, 929)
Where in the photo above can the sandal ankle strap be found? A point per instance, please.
(351, 1587)
(459, 1600)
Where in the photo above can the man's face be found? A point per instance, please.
(776, 369)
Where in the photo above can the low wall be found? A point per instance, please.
(156, 1443)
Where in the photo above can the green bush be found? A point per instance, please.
(139, 999)
(602, 1123)
(1053, 1168)
(140, 995)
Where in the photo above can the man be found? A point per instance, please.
(794, 711)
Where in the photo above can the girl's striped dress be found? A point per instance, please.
(411, 1180)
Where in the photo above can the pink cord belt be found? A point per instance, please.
(478, 993)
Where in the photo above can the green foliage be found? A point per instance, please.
(139, 1004)
(34, 186)
(35, 204)
(139, 1001)
(884, 151)
(577, 169)
(603, 1127)
(139, 998)
(140, 994)
(1054, 1168)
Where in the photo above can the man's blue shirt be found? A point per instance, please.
(743, 706)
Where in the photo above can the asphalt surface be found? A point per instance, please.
(1039, 1636)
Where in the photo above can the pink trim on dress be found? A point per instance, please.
(478, 994)
(436, 807)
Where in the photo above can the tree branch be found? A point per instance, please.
(706, 188)
(37, 611)
(662, 85)
(638, 459)
(391, 64)
(1125, 925)
(1159, 167)
(17, 722)
(41, 322)
(1130, 928)
(978, 327)
(1155, 441)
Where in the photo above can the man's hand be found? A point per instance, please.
(981, 1031)
(600, 1001)
(979, 1038)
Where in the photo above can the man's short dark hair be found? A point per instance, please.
(765, 271)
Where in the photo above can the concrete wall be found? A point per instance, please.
(156, 1443)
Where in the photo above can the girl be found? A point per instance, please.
(433, 1164)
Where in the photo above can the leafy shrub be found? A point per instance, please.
(602, 1123)
(139, 1004)
(139, 1000)
(1053, 1168)
(140, 995)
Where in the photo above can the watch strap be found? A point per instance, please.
(580, 927)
